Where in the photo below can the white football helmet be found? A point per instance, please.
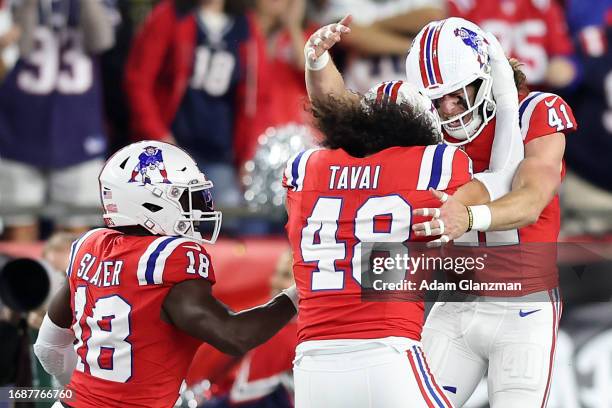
(447, 56)
(403, 92)
(158, 185)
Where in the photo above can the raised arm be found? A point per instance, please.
(191, 307)
(507, 150)
(322, 76)
(534, 185)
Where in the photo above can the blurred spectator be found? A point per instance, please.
(9, 34)
(532, 31)
(581, 14)
(274, 92)
(181, 80)
(15, 362)
(51, 132)
(588, 186)
(263, 378)
(381, 34)
(128, 17)
(56, 253)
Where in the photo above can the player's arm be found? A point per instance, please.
(54, 345)
(507, 150)
(535, 184)
(322, 76)
(191, 306)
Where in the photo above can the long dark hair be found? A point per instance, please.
(362, 129)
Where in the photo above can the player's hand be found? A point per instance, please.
(449, 221)
(326, 37)
(503, 88)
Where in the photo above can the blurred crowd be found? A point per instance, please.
(81, 78)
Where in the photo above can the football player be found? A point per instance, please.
(381, 155)
(52, 132)
(466, 74)
(519, 353)
(138, 300)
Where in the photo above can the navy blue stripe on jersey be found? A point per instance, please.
(294, 169)
(76, 245)
(72, 254)
(432, 392)
(153, 258)
(436, 168)
(524, 105)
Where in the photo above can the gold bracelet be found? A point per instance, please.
(470, 218)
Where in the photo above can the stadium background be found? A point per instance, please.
(265, 133)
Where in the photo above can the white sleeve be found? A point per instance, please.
(55, 351)
(506, 154)
(508, 150)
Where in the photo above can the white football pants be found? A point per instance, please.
(513, 338)
(381, 373)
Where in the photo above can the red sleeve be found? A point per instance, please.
(546, 116)
(145, 59)
(189, 260)
(462, 170)
(559, 41)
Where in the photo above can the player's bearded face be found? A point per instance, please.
(455, 103)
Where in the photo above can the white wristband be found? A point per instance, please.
(481, 217)
(292, 294)
(319, 63)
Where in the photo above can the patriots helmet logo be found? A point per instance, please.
(150, 159)
(475, 41)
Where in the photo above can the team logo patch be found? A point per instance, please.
(474, 41)
(150, 162)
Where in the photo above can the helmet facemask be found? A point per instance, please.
(447, 56)
(482, 110)
(198, 220)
